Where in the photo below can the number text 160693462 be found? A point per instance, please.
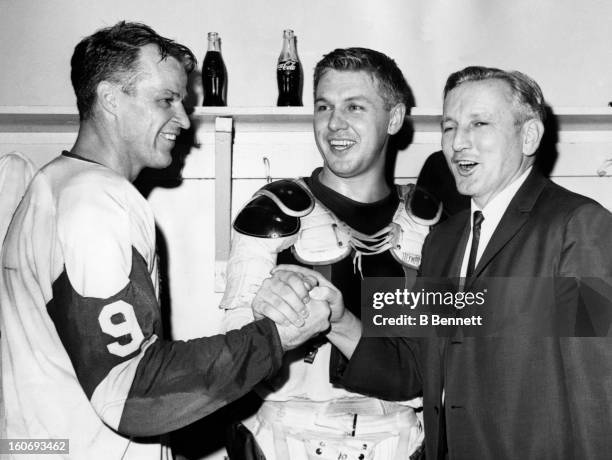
(34, 446)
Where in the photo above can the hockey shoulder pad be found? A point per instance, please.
(323, 239)
(417, 212)
(275, 210)
(422, 206)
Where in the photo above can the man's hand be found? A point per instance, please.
(284, 296)
(293, 293)
(323, 289)
(316, 322)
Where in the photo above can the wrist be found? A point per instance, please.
(346, 325)
(345, 333)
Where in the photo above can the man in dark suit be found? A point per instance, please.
(520, 396)
(542, 389)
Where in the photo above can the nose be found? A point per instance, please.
(461, 140)
(181, 117)
(337, 121)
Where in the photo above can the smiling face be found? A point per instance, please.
(352, 125)
(485, 145)
(151, 116)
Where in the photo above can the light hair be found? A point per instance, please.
(391, 83)
(526, 93)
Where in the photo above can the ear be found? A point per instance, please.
(107, 97)
(396, 120)
(532, 132)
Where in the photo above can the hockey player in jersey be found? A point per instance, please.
(347, 222)
(83, 355)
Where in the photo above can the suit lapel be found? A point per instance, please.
(450, 267)
(513, 219)
(449, 246)
(459, 248)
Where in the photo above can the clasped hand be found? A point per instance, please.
(300, 301)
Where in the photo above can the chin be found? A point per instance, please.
(342, 169)
(343, 173)
(163, 161)
(465, 191)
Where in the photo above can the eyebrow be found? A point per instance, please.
(361, 99)
(174, 94)
(348, 99)
(472, 116)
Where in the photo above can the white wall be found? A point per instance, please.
(564, 44)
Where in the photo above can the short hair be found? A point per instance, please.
(526, 92)
(111, 54)
(392, 85)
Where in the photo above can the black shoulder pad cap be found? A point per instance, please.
(423, 204)
(262, 218)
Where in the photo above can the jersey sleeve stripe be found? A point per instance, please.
(99, 334)
(108, 399)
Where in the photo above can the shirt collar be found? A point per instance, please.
(494, 209)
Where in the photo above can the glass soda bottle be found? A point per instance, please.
(289, 75)
(214, 73)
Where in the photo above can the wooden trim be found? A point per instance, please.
(223, 198)
(66, 119)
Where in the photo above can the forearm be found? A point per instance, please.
(346, 333)
(250, 262)
(386, 368)
(177, 383)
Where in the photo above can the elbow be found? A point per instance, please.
(121, 417)
(114, 416)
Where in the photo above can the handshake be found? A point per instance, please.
(303, 303)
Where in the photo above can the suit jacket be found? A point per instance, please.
(525, 396)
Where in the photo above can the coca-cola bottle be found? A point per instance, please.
(214, 73)
(289, 75)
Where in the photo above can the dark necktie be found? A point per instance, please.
(478, 218)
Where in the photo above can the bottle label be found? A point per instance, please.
(287, 65)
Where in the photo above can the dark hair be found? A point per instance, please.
(391, 82)
(111, 54)
(526, 92)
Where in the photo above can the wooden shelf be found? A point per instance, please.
(66, 119)
(583, 118)
(269, 119)
(48, 119)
